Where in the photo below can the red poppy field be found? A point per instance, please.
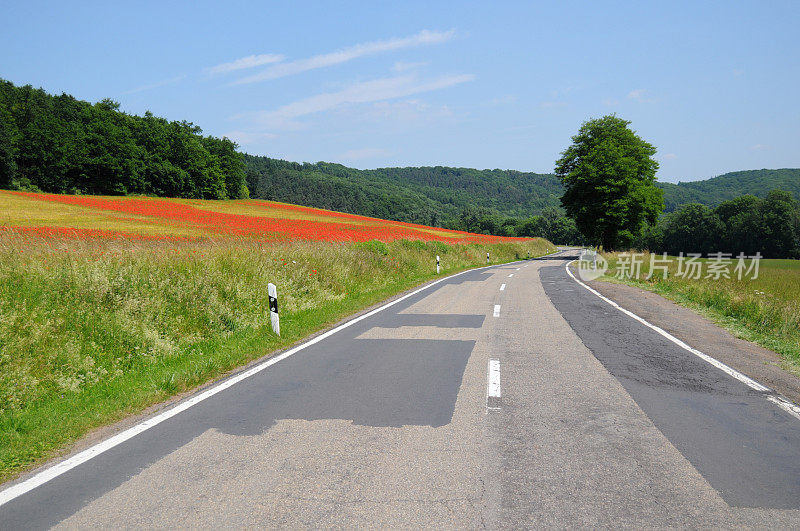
(143, 218)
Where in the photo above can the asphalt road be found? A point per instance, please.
(600, 422)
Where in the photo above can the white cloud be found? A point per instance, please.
(157, 84)
(250, 61)
(401, 66)
(363, 92)
(366, 153)
(405, 111)
(759, 147)
(636, 94)
(669, 156)
(424, 37)
(610, 102)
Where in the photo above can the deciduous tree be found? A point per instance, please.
(609, 175)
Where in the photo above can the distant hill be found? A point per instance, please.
(428, 195)
(437, 195)
(712, 192)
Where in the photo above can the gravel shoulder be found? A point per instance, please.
(759, 363)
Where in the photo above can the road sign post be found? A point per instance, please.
(487, 257)
(273, 308)
(437, 264)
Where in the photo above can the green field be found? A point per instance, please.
(94, 330)
(764, 310)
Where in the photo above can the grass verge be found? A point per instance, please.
(93, 331)
(764, 310)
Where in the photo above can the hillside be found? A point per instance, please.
(438, 195)
(712, 192)
(149, 218)
(428, 195)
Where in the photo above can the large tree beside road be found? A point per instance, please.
(609, 178)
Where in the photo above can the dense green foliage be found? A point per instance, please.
(712, 192)
(438, 196)
(609, 177)
(64, 145)
(748, 224)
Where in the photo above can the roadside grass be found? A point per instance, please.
(92, 331)
(765, 310)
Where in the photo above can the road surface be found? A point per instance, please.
(600, 421)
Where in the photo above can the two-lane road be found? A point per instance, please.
(387, 422)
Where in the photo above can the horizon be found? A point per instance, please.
(413, 85)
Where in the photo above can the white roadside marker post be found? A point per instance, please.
(487, 257)
(437, 264)
(273, 308)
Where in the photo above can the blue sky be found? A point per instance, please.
(713, 85)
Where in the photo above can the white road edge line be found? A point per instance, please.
(502, 287)
(496, 310)
(58, 469)
(785, 404)
(771, 395)
(493, 382)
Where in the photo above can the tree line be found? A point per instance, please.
(430, 195)
(60, 144)
(748, 224)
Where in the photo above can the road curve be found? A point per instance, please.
(388, 422)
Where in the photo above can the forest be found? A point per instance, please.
(712, 192)
(428, 195)
(60, 144)
(748, 224)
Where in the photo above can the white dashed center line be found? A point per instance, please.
(511, 275)
(497, 310)
(502, 287)
(493, 385)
